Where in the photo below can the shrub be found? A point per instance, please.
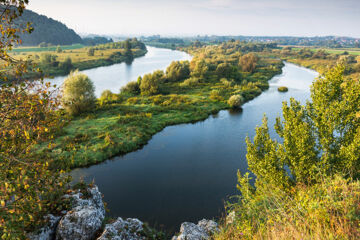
(215, 95)
(107, 97)
(235, 101)
(226, 82)
(78, 93)
(248, 62)
(283, 89)
(91, 52)
(67, 65)
(150, 83)
(59, 49)
(178, 70)
(131, 87)
(190, 82)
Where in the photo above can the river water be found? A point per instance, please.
(186, 172)
(115, 76)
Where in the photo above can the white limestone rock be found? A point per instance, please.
(129, 229)
(86, 217)
(202, 231)
(48, 231)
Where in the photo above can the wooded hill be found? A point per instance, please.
(46, 30)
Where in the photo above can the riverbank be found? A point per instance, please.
(126, 124)
(59, 62)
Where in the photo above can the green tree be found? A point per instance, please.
(235, 101)
(67, 65)
(248, 62)
(178, 71)
(322, 137)
(199, 69)
(150, 83)
(78, 93)
(91, 52)
(59, 49)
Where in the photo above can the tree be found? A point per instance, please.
(248, 62)
(322, 137)
(178, 70)
(29, 187)
(131, 87)
(59, 49)
(78, 93)
(150, 83)
(226, 70)
(199, 69)
(67, 65)
(235, 101)
(91, 52)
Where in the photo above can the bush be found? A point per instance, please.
(215, 95)
(150, 83)
(248, 62)
(108, 97)
(178, 70)
(91, 52)
(59, 49)
(67, 65)
(283, 89)
(78, 93)
(131, 87)
(190, 82)
(235, 101)
(227, 83)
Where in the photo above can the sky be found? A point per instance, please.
(206, 17)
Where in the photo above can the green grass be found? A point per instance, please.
(46, 49)
(125, 125)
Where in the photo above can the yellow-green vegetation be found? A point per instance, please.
(321, 59)
(306, 185)
(61, 60)
(78, 94)
(283, 89)
(123, 122)
(29, 187)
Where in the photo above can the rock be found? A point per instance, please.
(202, 231)
(47, 232)
(210, 226)
(129, 229)
(86, 217)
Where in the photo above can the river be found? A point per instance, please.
(187, 171)
(115, 76)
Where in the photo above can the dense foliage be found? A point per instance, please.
(29, 188)
(315, 164)
(78, 93)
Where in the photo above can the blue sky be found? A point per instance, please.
(218, 17)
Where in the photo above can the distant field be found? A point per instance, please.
(353, 51)
(46, 49)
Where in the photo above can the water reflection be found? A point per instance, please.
(186, 172)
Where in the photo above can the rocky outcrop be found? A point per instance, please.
(85, 219)
(84, 222)
(129, 229)
(47, 232)
(202, 231)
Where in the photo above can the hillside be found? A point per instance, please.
(47, 30)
